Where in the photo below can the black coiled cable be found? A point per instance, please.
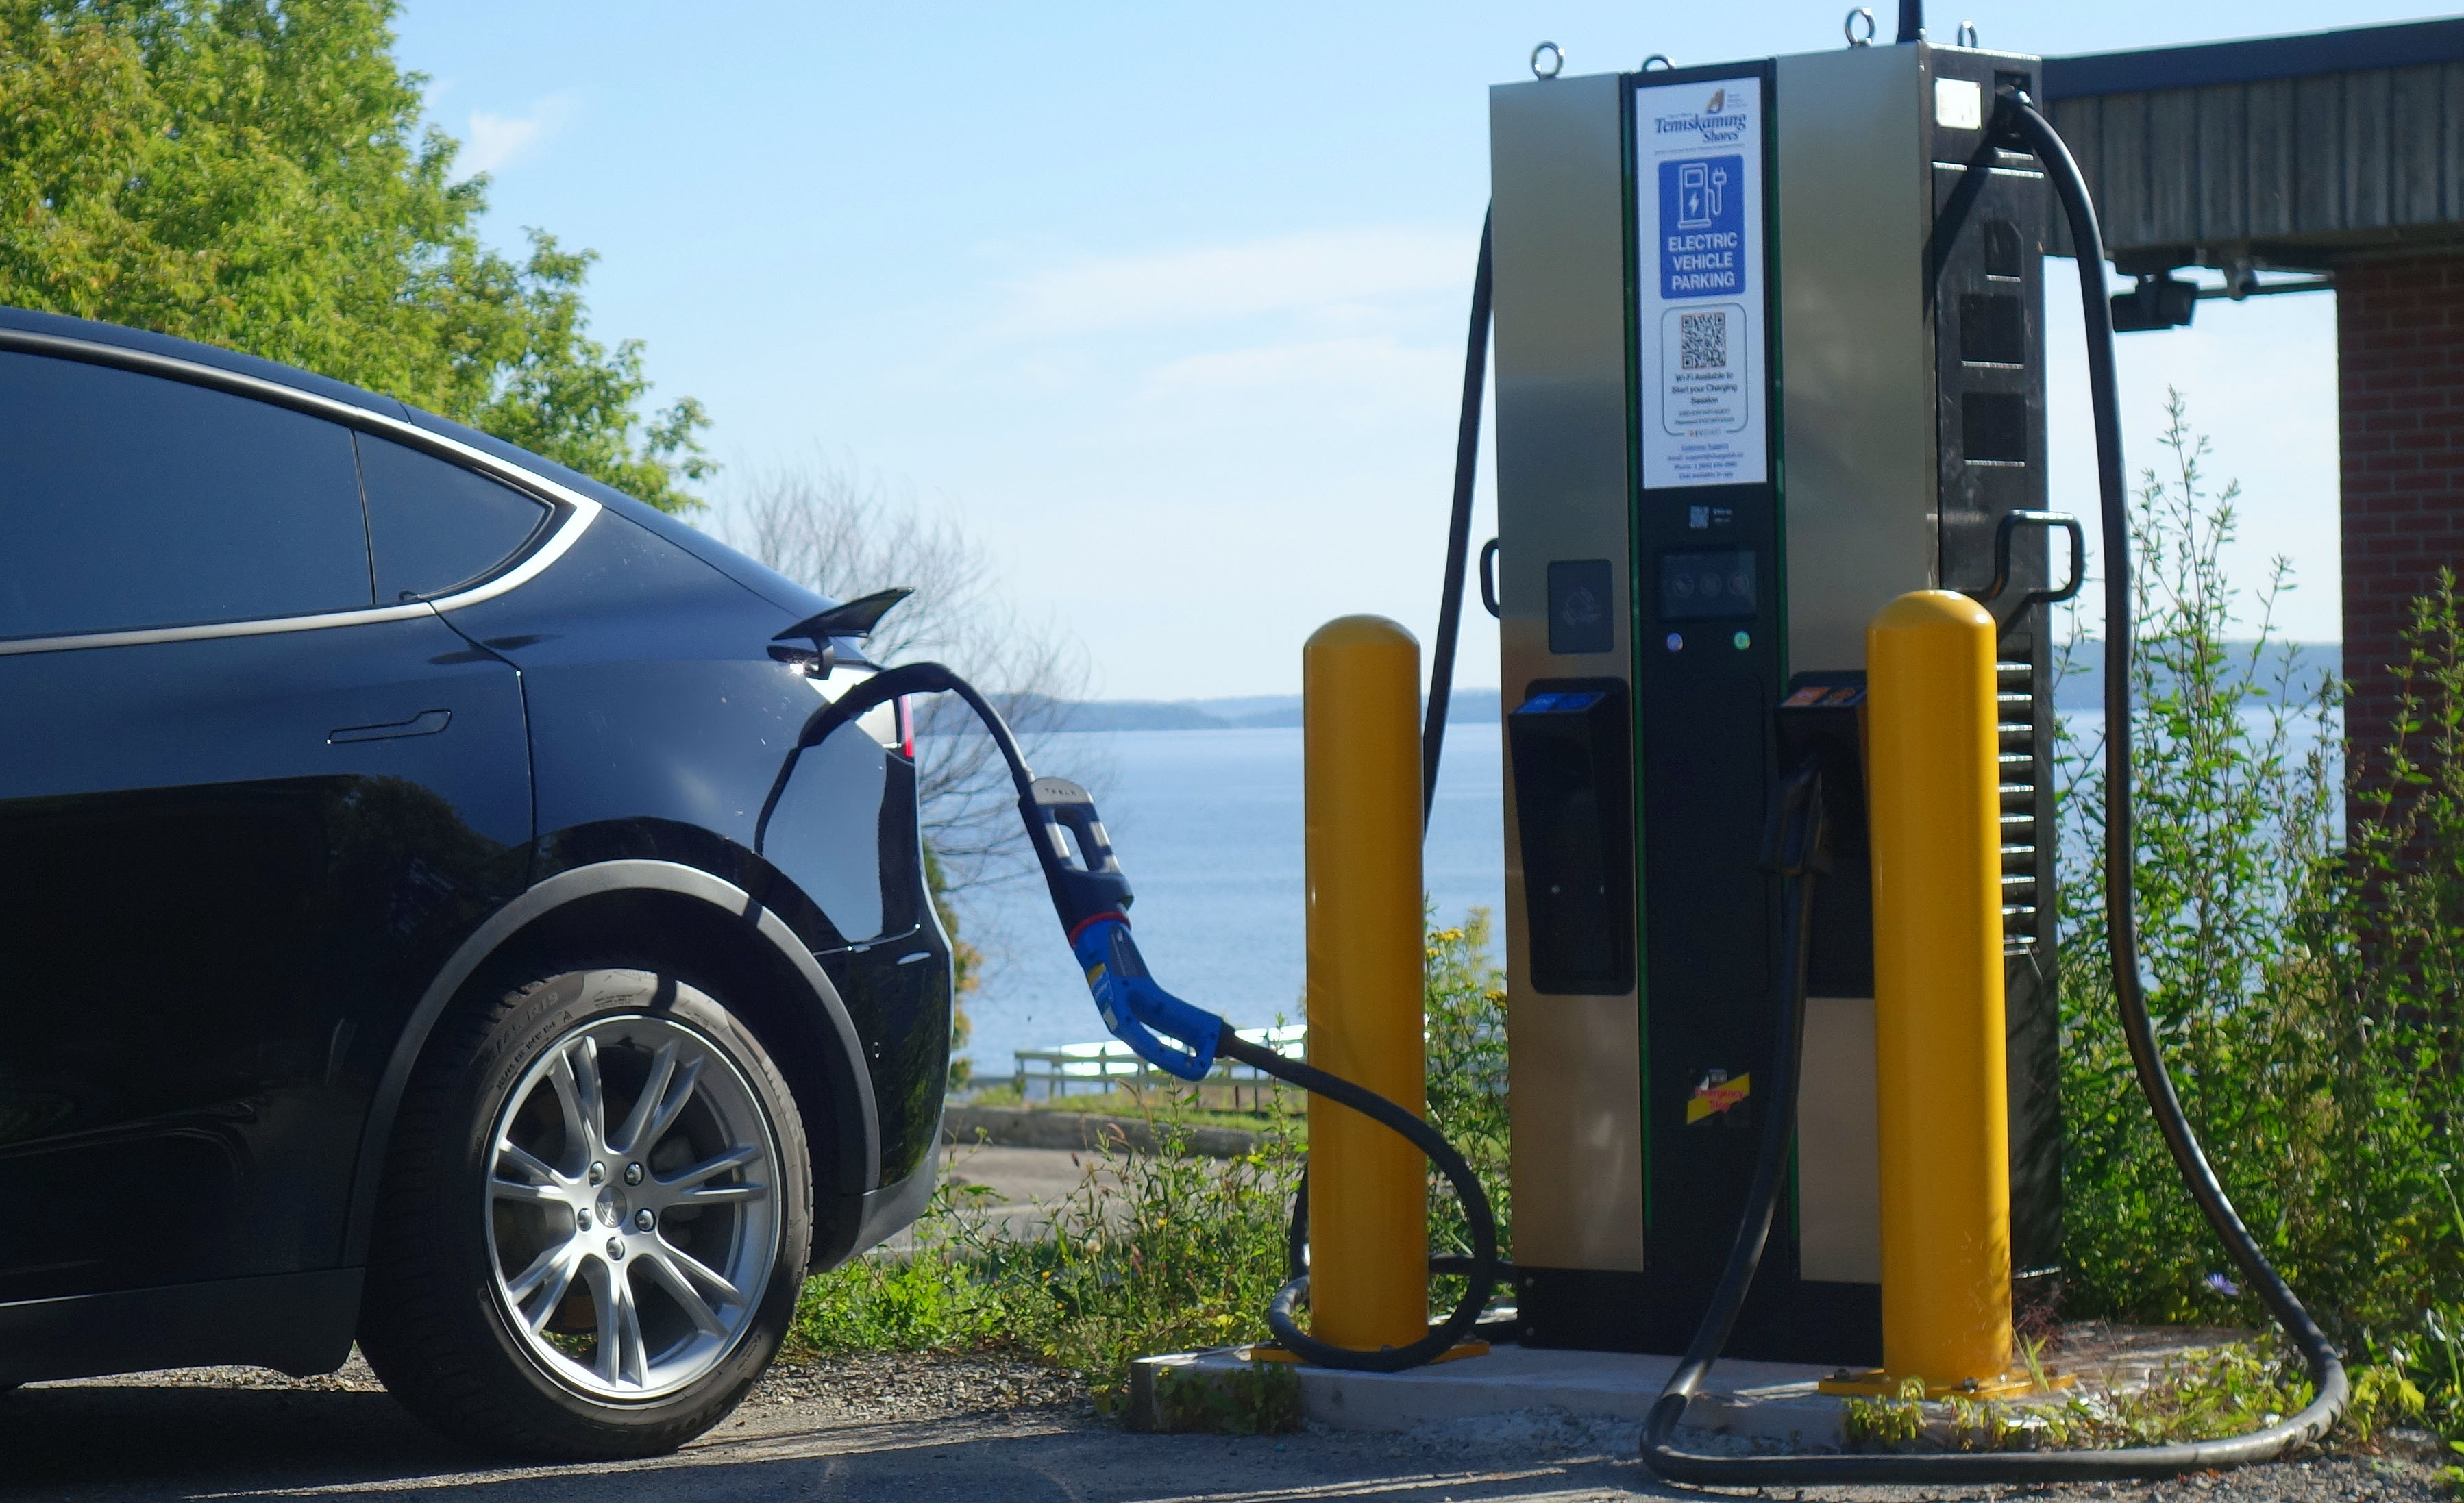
(1482, 1267)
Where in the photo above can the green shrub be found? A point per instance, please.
(2303, 979)
(2235, 820)
(1155, 1253)
(1467, 1072)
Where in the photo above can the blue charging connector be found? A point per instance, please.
(1136, 1009)
(1091, 894)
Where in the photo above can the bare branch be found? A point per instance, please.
(844, 533)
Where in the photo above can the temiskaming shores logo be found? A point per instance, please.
(1714, 124)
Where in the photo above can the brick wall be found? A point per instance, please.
(2400, 349)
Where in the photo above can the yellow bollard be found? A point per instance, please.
(1933, 784)
(1360, 737)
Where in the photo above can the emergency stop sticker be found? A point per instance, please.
(1700, 277)
(1718, 1092)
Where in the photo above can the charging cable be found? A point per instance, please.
(1090, 894)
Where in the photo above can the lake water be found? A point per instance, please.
(1207, 823)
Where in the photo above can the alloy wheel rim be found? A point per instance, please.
(630, 1209)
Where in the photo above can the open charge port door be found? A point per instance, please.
(1571, 742)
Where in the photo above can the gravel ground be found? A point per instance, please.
(982, 1430)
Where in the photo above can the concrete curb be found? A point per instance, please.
(1770, 1402)
(1023, 1127)
(1762, 1406)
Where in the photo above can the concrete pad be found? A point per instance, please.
(1752, 1405)
(1765, 1402)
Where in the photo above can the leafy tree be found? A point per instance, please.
(254, 175)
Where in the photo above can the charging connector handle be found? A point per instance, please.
(1090, 896)
(2017, 122)
(1090, 892)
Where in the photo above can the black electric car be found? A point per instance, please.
(383, 954)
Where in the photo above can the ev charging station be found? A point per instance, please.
(1746, 396)
(1770, 441)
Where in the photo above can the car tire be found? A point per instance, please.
(593, 1222)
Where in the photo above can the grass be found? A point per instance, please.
(1150, 1252)
(927, 1301)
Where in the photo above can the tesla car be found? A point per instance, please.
(384, 955)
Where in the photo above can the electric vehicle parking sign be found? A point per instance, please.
(1699, 237)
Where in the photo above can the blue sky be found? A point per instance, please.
(1166, 303)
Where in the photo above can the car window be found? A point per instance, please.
(435, 524)
(131, 501)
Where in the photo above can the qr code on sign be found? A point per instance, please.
(1703, 342)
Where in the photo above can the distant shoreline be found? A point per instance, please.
(1250, 713)
(2079, 689)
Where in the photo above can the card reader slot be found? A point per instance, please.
(1570, 741)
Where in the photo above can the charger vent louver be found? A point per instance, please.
(2015, 712)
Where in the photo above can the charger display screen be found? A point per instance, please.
(1709, 585)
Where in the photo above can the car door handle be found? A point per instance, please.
(427, 722)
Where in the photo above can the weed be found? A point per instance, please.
(923, 1300)
(1887, 1423)
(1166, 1250)
(1467, 1075)
(1984, 1424)
(1154, 1253)
(2235, 814)
(2383, 1397)
(2194, 1397)
(2032, 1352)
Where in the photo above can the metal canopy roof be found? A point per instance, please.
(2256, 59)
(2295, 152)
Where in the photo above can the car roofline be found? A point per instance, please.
(573, 509)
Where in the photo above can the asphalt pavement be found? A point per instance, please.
(894, 1427)
(969, 1429)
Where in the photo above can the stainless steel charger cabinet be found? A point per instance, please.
(1744, 400)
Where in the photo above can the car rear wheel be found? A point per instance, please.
(594, 1216)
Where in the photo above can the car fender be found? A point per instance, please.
(847, 1065)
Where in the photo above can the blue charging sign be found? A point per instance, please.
(1703, 227)
(1699, 237)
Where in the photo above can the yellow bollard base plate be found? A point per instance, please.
(1873, 1383)
(1269, 1352)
